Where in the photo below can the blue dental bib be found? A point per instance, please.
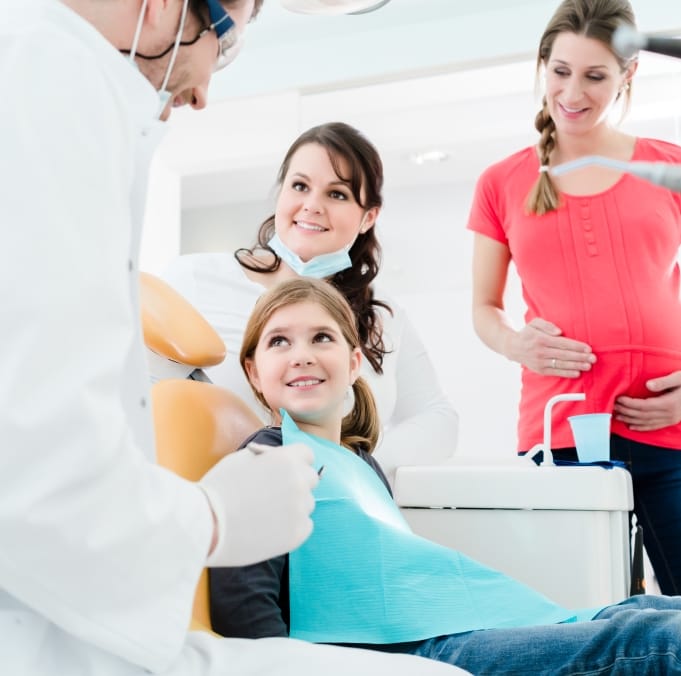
(364, 577)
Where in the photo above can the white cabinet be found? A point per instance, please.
(562, 530)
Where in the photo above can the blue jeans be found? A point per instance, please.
(639, 636)
(656, 478)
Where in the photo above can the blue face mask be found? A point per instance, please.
(318, 267)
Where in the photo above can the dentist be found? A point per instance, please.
(101, 549)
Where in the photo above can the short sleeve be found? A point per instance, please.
(484, 216)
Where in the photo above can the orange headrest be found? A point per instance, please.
(174, 329)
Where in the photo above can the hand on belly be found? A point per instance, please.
(661, 409)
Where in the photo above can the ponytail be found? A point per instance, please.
(544, 196)
(361, 427)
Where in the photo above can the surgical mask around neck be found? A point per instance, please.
(318, 267)
(163, 94)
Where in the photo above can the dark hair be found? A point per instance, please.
(596, 19)
(361, 427)
(343, 143)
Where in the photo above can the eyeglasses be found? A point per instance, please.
(229, 39)
(229, 42)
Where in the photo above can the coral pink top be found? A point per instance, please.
(601, 267)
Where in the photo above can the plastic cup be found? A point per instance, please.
(591, 432)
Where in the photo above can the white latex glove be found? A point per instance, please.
(262, 500)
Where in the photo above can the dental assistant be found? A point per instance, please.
(324, 226)
(596, 252)
(101, 549)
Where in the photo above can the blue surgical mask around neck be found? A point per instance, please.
(319, 267)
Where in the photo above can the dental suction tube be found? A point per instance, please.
(626, 42)
(660, 173)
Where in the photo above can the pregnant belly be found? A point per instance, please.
(619, 370)
(624, 370)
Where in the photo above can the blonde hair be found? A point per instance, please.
(361, 427)
(596, 19)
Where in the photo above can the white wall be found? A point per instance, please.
(222, 228)
(483, 386)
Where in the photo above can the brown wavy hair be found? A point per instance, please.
(595, 19)
(361, 427)
(343, 143)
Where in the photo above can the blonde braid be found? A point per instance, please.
(544, 197)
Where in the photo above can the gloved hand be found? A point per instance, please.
(262, 500)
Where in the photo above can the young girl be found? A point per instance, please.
(363, 578)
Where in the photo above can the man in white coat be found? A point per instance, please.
(101, 549)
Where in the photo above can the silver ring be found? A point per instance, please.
(553, 363)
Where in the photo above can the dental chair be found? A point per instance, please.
(196, 422)
(563, 531)
(180, 342)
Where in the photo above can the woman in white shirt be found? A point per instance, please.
(328, 202)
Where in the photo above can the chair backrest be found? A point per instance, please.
(196, 423)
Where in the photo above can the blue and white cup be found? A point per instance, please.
(591, 433)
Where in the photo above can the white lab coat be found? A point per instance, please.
(100, 549)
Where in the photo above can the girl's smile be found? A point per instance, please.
(303, 364)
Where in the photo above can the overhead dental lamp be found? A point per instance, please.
(331, 7)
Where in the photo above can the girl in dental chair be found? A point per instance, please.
(362, 578)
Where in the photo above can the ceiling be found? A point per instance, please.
(414, 76)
